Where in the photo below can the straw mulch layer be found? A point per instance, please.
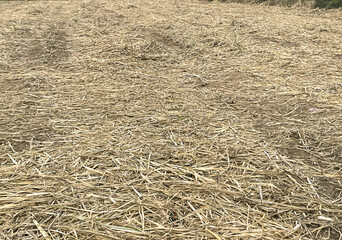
(169, 120)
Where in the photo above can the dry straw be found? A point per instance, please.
(169, 120)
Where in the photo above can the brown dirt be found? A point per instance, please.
(169, 120)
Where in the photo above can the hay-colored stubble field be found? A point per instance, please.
(169, 120)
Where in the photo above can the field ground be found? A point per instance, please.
(168, 119)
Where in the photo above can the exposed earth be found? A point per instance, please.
(168, 119)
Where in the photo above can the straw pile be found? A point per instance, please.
(169, 120)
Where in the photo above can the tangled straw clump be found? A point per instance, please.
(326, 4)
(167, 120)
